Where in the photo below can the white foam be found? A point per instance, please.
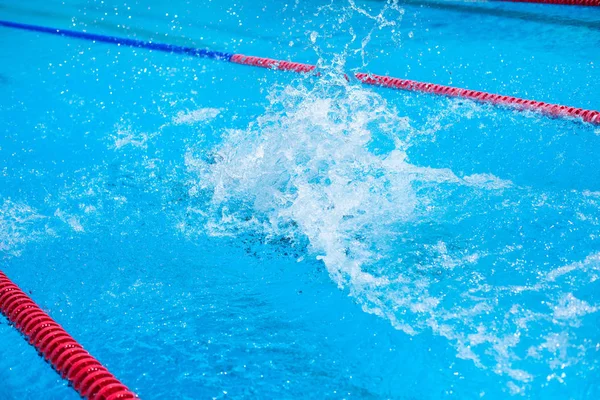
(195, 116)
(570, 309)
(127, 137)
(305, 170)
(16, 221)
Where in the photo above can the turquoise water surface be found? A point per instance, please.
(210, 230)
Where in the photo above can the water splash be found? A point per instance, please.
(195, 116)
(355, 26)
(327, 168)
(475, 259)
(17, 226)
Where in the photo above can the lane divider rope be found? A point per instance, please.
(589, 3)
(120, 41)
(554, 110)
(549, 109)
(86, 375)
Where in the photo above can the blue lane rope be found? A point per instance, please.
(166, 48)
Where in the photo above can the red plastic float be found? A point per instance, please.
(87, 376)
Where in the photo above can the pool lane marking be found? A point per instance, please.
(86, 374)
(549, 109)
(120, 41)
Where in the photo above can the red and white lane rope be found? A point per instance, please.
(550, 109)
(554, 110)
(87, 376)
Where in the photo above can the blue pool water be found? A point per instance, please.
(209, 230)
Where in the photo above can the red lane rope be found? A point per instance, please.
(87, 376)
(272, 64)
(590, 3)
(554, 110)
(550, 109)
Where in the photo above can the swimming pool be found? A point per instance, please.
(209, 230)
